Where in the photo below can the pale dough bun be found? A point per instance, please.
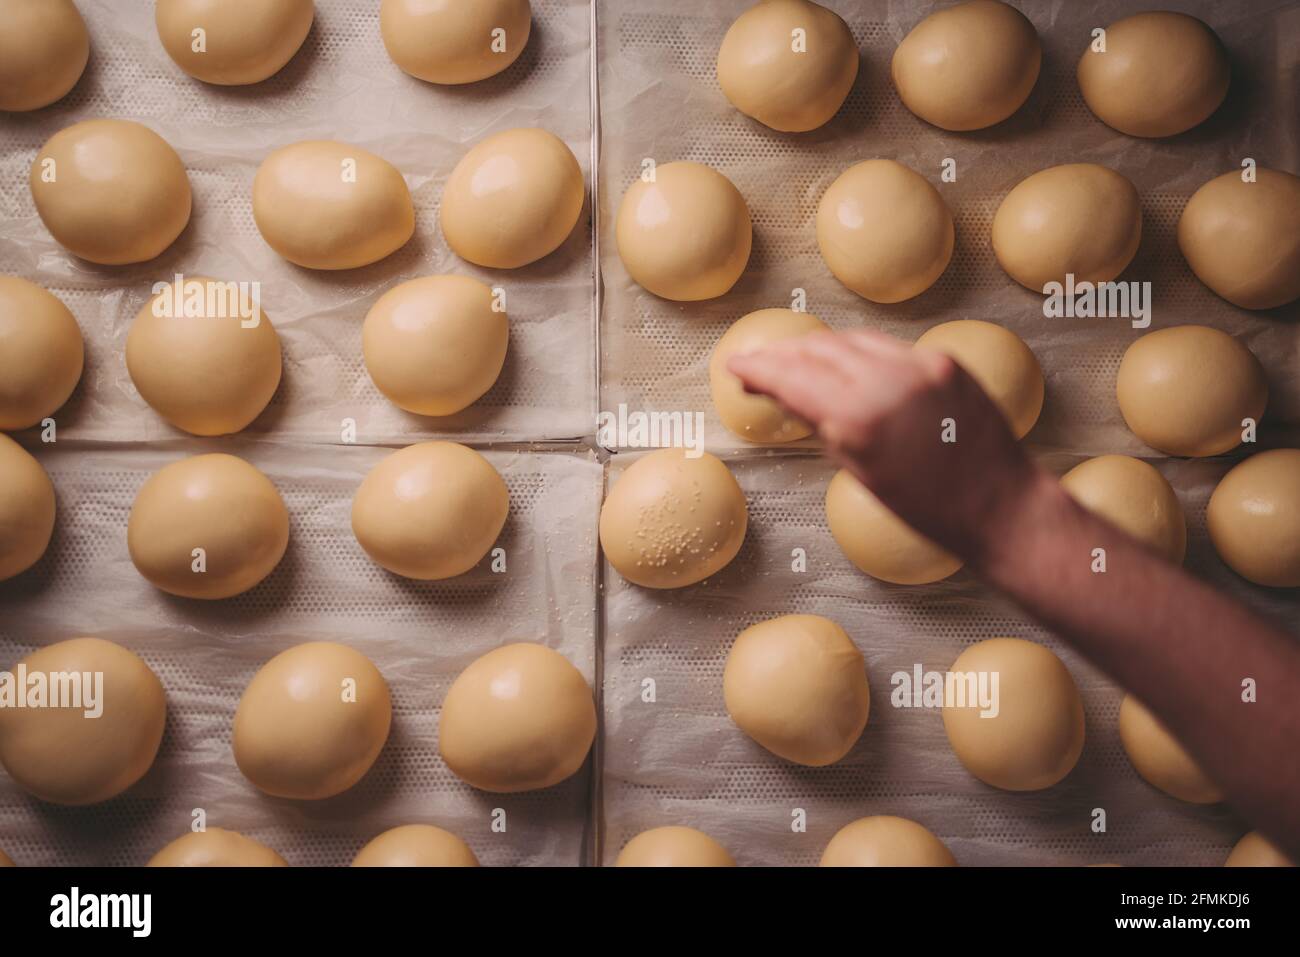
(512, 199)
(430, 511)
(968, 66)
(687, 235)
(671, 520)
(1079, 218)
(216, 847)
(112, 192)
(244, 41)
(62, 756)
(26, 509)
(312, 721)
(1243, 239)
(886, 841)
(1254, 518)
(1160, 759)
(673, 847)
(1255, 850)
(203, 369)
(416, 845)
(328, 205)
(454, 42)
(792, 90)
(1037, 735)
(1161, 73)
(877, 541)
(44, 47)
(6, 860)
(519, 718)
(884, 231)
(798, 686)
(215, 502)
(756, 418)
(1185, 390)
(999, 361)
(1135, 498)
(41, 353)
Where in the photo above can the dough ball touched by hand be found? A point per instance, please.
(1160, 759)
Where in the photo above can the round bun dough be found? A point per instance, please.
(968, 66)
(1185, 390)
(215, 502)
(453, 43)
(26, 509)
(209, 367)
(327, 205)
(790, 90)
(416, 845)
(1080, 219)
(61, 755)
(884, 231)
(44, 47)
(41, 353)
(519, 718)
(877, 541)
(6, 860)
(512, 199)
(111, 191)
(1255, 850)
(1036, 737)
(671, 520)
(1160, 759)
(673, 847)
(430, 511)
(886, 841)
(245, 41)
(1243, 239)
(798, 686)
(1254, 518)
(1161, 73)
(216, 847)
(756, 418)
(999, 361)
(687, 235)
(312, 721)
(1135, 498)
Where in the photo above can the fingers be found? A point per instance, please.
(802, 381)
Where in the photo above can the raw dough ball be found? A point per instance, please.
(1135, 498)
(452, 43)
(26, 509)
(6, 860)
(1161, 73)
(63, 756)
(111, 191)
(999, 361)
(1254, 518)
(1036, 737)
(519, 718)
(671, 520)
(798, 686)
(312, 721)
(43, 51)
(216, 847)
(1185, 390)
(1160, 759)
(430, 511)
(1255, 850)
(765, 77)
(968, 66)
(246, 41)
(884, 231)
(673, 847)
(209, 367)
(1243, 239)
(215, 502)
(512, 199)
(756, 418)
(886, 841)
(877, 541)
(1079, 218)
(41, 353)
(328, 205)
(687, 235)
(416, 845)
